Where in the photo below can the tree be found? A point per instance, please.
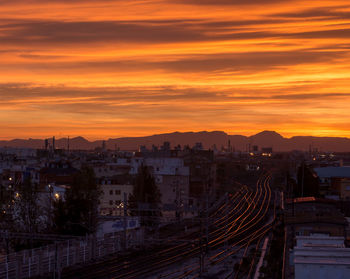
(308, 184)
(6, 220)
(145, 199)
(27, 208)
(78, 214)
(60, 217)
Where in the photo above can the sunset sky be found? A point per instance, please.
(106, 69)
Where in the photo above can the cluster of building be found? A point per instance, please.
(334, 181)
(316, 237)
(317, 229)
(183, 176)
(187, 177)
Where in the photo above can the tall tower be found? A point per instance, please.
(310, 151)
(53, 143)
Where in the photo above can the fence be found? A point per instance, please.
(53, 258)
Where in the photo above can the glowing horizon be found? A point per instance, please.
(110, 69)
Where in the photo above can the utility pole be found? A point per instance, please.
(68, 145)
(302, 179)
(207, 216)
(50, 206)
(125, 220)
(57, 271)
(177, 201)
(201, 258)
(226, 227)
(204, 214)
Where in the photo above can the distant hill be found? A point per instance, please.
(208, 139)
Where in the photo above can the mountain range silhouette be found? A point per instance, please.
(208, 139)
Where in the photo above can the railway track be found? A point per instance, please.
(233, 222)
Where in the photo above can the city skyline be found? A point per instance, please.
(215, 140)
(108, 69)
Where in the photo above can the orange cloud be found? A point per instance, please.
(114, 68)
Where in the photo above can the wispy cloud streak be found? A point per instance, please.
(111, 68)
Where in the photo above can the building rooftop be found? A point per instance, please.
(309, 199)
(322, 255)
(313, 210)
(313, 219)
(343, 172)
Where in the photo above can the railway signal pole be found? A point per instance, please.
(125, 221)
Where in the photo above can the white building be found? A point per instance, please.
(172, 179)
(112, 197)
(135, 163)
(116, 224)
(321, 257)
(320, 240)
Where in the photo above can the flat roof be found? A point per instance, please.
(319, 237)
(316, 260)
(322, 255)
(333, 172)
(309, 199)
